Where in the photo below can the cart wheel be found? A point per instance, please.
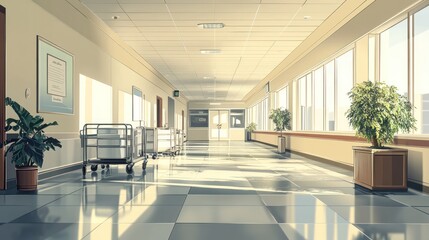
(154, 156)
(130, 177)
(102, 166)
(108, 166)
(144, 165)
(94, 167)
(129, 168)
(84, 170)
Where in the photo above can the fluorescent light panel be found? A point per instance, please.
(211, 25)
(210, 51)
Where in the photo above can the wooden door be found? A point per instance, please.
(2, 93)
(159, 112)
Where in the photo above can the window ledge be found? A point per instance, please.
(405, 140)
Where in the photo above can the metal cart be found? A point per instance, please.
(151, 142)
(140, 145)
(113, 143)
(166, 141)
(179, 141)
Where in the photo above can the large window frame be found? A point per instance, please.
(307, 120)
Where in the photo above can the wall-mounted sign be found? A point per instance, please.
(176, 93)
(54, 78)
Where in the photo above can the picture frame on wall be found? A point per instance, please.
(54, 78)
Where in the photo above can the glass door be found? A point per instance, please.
(219, 125)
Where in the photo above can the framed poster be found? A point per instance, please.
(54, 78)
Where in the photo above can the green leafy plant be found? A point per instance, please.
(251, 127)
(281, 118)
(377, 112)
(28, 148)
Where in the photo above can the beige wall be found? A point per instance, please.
(98, 54)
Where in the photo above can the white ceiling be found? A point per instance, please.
(258, 35)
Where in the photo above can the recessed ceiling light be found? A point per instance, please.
(115, 17)
(210, 51)
(209, 78)
(215, 103)
(210, 25)
(307, 17)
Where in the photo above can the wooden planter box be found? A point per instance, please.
(381, 169)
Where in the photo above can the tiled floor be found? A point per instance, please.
(216, 190)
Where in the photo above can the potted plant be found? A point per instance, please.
(249, 129)
(27, 149)
(281, 118)
(377, 112)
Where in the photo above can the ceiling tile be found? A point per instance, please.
(279, 8)
(95, 7)
(149, 16)
(125, 29)
(191, 8)
(257, 36)
(140, 1)
(98, 1)
(115, 23)
(144, 8)
(109, 16)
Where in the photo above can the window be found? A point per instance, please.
(330, 96)
(302, 100)
(371, 58)
(421, 70)
(259, 114)
(265, 114)
(309, 114)
(318, 99)
(198, 118)
(282, 98)
(255, 116)
(306, 102)
(394, 56)
(294, 105)
(344, 69)
(323, 95)
(237, 118)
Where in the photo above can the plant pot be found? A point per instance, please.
(248, 136)
(381, 169)
(281, 144)
(26, 178)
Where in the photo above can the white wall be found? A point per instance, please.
(98, 54)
